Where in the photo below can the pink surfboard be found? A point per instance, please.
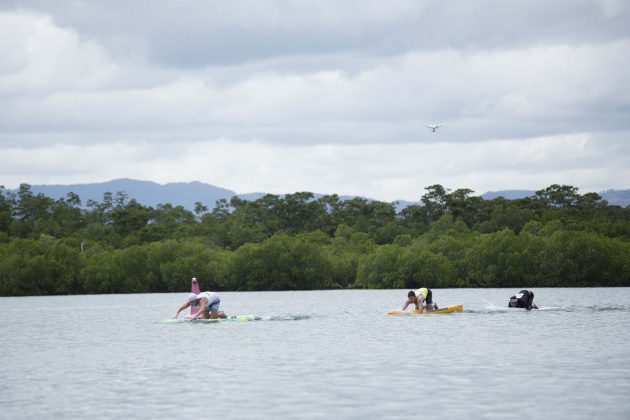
(194, 288)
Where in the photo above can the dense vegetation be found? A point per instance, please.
(557, 237)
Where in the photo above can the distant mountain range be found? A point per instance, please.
(508, 194)
(186, 194)
(148, 193)
(614, 197)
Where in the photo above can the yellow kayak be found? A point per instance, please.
(445, 310)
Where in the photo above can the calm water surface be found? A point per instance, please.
(319, 354)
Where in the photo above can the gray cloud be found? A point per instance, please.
(490, 94)
(184, 34)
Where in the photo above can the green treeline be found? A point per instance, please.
(557, 237)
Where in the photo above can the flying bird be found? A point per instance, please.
(434, 127)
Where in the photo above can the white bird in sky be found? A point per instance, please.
(434, 127)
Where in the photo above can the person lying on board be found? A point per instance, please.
(208, 302)
(422, 299)
(523, 299)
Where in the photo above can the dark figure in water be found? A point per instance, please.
(523, 299)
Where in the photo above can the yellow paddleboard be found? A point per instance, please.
(445, 310)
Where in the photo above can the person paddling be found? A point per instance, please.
(208, 302)
(422, 299)
(523, 299)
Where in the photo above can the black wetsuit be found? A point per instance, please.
(523, 299)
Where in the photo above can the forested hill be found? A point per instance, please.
(557, 237)
(186, 194)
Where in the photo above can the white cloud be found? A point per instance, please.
(339, 106)
(385, 172)
(39, 57)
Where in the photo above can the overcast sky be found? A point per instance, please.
(316, 95)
